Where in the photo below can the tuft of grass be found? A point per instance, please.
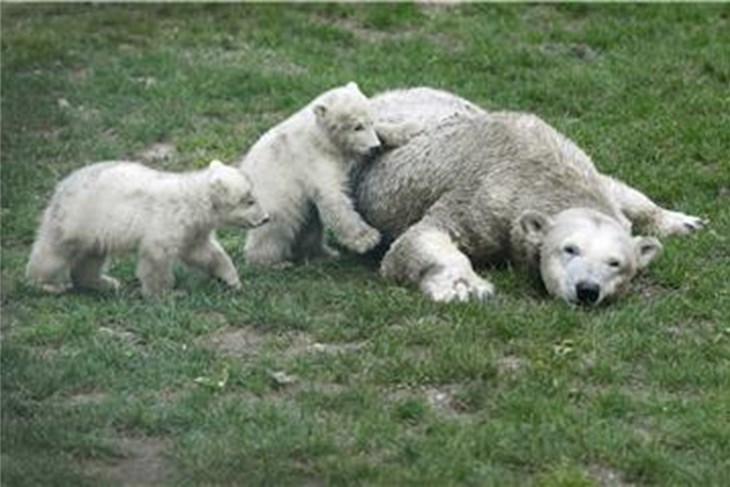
(323, 373)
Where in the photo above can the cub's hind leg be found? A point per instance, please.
(87, 272)
(154, 269)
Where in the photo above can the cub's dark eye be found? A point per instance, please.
(571, 250)
(614, 263)
(359, 127)
(247, 201)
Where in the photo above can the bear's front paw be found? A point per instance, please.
(364, 240)
(676, 223)
(450, 285)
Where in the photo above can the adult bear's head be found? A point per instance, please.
(585, 257)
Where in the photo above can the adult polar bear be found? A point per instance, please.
(481, 187)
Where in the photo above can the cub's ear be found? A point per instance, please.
(647, 249)
(215, 164)
(534, 224)
(320, 111)
(352, 86)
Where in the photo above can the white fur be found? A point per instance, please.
(586, 256)
(114, 207)
(300, 169)
(489, 187)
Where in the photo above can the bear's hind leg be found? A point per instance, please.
(87, 273)
(427, 255)
(311, 244)
(270, 245)
(643, 212)
(154, 270)
(211, 258)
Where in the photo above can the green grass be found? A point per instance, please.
(379, 386)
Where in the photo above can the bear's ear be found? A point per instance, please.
(647, 249)
(352, 86)
(215, 164)
(534, 224)
(320, 111)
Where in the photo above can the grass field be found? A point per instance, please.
(324, 374)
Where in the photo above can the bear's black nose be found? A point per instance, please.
(587, 292)
(372, 151)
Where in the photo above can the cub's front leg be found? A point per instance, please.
(211, 258)
(338, 213)
(396, 134)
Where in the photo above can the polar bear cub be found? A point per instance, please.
(300, 169)
(113, 207)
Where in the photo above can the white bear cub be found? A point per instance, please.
(302, 165)
(113, 207)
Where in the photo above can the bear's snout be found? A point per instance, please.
(263, 220)
(587, 292)
(373, 150)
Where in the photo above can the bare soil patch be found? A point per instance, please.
(606, 476)
(142, 463)
(159, 151)
(232, 341)
(84, 398)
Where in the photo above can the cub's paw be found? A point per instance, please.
(395, 135)
(362, 241)
(55, 288)
(676, 223)
(235, 284)
(448, 285)
(108, 283)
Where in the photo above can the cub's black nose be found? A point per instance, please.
(374, 151)
(587, 292)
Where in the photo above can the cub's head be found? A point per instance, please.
(234, 202)
(344, 114)
(585, 256)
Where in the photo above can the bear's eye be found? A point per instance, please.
(246, 201)
(359, 127)
(614, 263)
(571, 250)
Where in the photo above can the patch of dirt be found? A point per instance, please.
(159, 151)
(647, 289)
(580, 51)
(213, 317)
(365, 34)
(432, 8)
(231, 341)
(302, 343)
(142, 463)
(122, 335)
(336, 348)
(510, 365)
(444, 401)
(84, 398)
(606, 476)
